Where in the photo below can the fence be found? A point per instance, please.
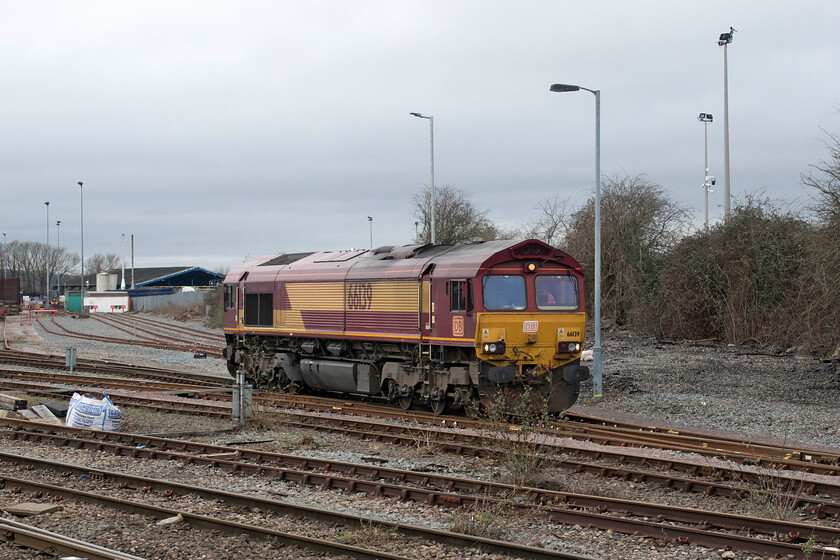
(150, 302)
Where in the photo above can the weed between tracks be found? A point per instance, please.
(485, 518)
(772, 494)
(370, 535)
(517, 423)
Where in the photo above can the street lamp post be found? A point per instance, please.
(370, 220)
(58, 246)
(706, 118)
(47, 258)
(5, 251)
(432, 137)
(597, 360)
(723, 41)
(82, 278)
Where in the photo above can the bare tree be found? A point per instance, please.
(551, 224)
(826, 180)
(28, 261)
(639, 224)
(102, 263)
(457, 220)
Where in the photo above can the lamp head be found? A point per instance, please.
(561, 88)
(79, 183)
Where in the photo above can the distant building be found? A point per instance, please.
(155, 277)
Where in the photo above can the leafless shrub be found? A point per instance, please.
(639, 225)
(774, 496)
(740, 281)
(426, 442)
(516, 421)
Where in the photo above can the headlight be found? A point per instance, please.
(566, 347)
(493, 347)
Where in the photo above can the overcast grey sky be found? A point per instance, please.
(213, 131)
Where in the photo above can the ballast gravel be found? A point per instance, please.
(765, 392)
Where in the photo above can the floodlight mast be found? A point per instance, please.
(82, 215)
(706, 118)
(723, 41)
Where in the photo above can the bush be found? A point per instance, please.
(740, 281)
(215, 300)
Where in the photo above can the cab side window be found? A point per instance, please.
(229, 291)
(458, 295)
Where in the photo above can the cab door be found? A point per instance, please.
(427, 306)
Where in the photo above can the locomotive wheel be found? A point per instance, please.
(406, 403)
(439, 406)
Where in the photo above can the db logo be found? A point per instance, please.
(530, 326)
(457, 326)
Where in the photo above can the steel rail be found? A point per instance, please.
(202, 521)
(129, 319)
(52, 361)
(114, 340)
(177, 341)
(797, 450)
(600, 430)
(156, 404)
(543, 501)
(35, 538)
(111, 382)
(474, 445)
(287, 508)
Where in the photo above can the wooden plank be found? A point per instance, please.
(12, 403)
(29, 415)
(31, 508)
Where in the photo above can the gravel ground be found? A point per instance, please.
(770, 392)
(782, 394)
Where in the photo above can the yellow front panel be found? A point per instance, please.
(534, 334)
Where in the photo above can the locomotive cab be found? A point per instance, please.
(530, 331)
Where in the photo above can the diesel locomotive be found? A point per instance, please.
(440, 325)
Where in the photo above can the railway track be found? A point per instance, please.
(111, 367)
(590, 428)
(141, 487)
(40, 540)
(706, 528)
(150, 342)
(186, 334)
(98, 382)
(158, 335)
(478, 442)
